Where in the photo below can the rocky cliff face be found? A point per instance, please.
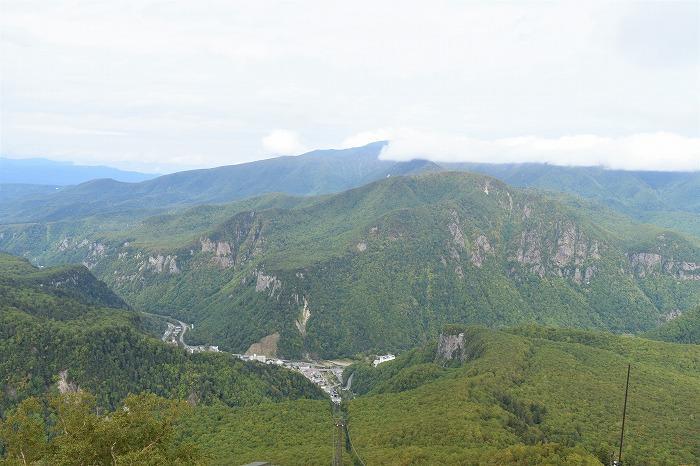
(238, 241)
(457, 344)
(450, 347)
(646, 264)
(66, 386)
(571, 254)
(161, 264)
(221, 251)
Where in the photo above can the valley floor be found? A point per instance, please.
(327, 375)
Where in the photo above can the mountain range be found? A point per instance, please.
(384, 266)
(514, 295)
(669, 199)
(39, 171)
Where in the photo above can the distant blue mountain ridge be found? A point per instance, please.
(40, 171)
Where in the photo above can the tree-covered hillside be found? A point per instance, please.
(57, 330)
(682, 329)
(669, 199)
(480, 396)
(384, 266)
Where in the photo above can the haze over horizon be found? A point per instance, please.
(167, 86)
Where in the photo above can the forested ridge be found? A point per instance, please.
(50, 331)
(531, 391)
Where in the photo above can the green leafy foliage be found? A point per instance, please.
(71, 430)
(296, 432)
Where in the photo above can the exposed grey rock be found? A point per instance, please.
(450, 347)
(648, 263)
(222, 251)
(480, 249)
(530, 251)
(162, 264)
(456, 232)
(267, 282)
(303, 318)
(64, 385)
(672, 314)
(565, 246)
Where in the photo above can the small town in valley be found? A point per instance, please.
(328, 375)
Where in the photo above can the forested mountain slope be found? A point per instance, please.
(669, 199)
(682, 329)
(61, 327)
(317, 172)
(384, 266)
(479, 396)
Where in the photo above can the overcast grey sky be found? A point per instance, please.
(167, 85)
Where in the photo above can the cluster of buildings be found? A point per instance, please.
(202, 349)
(383, 358)
(328, 377)
(172, 333)
(260, 358)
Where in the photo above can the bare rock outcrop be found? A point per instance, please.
(530, 252)
(480, 249)
(644, 264)
(66, 386)
(221, 250)
(267, 282)
(458, 343)
(266, 346)
(450, 346)
(303, 318)
(569, 255)
(162, 264)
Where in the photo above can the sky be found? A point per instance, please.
(161, 86)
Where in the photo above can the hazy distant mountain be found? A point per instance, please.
(50, 172)
(669, 199)
(317, 172)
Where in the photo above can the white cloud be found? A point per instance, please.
(365, 137)
(182, 83)
(283, 142)
(642, 151)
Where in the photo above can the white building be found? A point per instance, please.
(258, 357)
(383, 358)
